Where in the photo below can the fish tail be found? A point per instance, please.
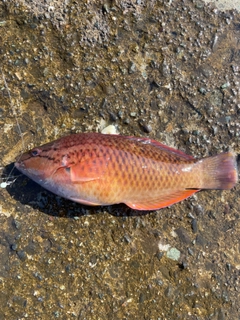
(220, 171)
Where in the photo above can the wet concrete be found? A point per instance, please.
(169, 71)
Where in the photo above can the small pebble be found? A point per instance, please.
(145, 127)
(127, 238)
(142, 297)
(22, 255)
(159, 255)
(132, 68)
(113, 116)
(202, 90)
(173, 254)
(14, 246)
(194, 225)
(190, 251)
(111, 129)
(225, 85)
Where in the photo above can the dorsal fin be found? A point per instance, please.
(161, 146)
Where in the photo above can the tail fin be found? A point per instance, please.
(220, 171)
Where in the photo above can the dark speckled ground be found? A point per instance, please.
(167, 71)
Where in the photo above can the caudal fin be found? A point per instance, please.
(219, 172)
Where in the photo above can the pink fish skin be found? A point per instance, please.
(97, 169)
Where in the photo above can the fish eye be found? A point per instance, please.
(35, 152)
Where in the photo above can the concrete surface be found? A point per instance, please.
(158, 69)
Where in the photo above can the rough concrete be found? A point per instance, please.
(167, 70)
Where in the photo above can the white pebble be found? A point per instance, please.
(110, 130)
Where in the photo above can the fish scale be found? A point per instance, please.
(97, 169)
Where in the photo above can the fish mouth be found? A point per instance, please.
(20, 165)
(30, 173)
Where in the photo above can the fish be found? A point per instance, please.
(103, 169)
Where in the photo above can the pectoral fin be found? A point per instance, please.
(88, 170)
(164, 200)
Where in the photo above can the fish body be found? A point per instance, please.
(99, 169)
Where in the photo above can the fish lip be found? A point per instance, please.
(19, 165)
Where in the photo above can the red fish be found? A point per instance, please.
(98, 169)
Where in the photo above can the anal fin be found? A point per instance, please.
(163, 200)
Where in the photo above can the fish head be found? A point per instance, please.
(43, 164)
(64, 169)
